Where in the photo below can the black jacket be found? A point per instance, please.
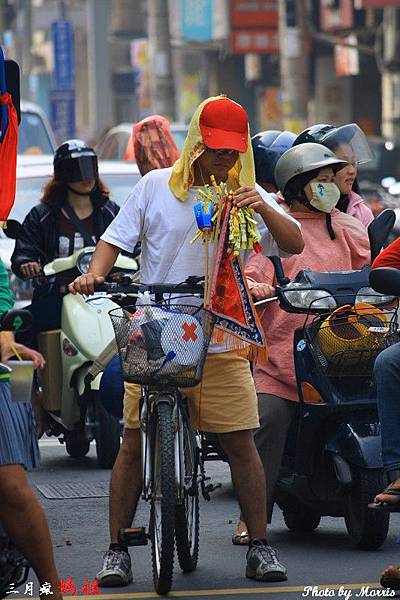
(41, 229)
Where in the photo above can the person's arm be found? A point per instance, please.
(259, 274)
(389, 257)
(101, 264)
(285, 231)
(25, 260)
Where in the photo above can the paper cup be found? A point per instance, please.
(21, 379)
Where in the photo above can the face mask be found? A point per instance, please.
(325, 196)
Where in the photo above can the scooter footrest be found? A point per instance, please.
(133, 536)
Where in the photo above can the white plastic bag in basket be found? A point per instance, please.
(172, 341)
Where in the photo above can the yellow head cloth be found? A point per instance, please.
(182, 177)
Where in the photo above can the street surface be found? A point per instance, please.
(324, 558)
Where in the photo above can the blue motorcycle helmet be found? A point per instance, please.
(111, 391)
(268, 147)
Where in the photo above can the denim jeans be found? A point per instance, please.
(387, 378)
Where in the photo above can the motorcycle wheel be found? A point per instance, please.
(76, 446)
(367, 528)
(107, 436)
(300, 518)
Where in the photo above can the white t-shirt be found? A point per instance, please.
(165, 226)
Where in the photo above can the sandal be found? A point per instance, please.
(388, 506)
(241, 538)
(391, 581)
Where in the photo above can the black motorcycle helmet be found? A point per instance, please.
(314, 134)
(349, 136)
(268, 147)
(75, 161)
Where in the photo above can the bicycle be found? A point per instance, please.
(153, 355)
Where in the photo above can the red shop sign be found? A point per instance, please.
(255, 41)
(254, 13)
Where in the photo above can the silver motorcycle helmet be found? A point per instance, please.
(302, 159)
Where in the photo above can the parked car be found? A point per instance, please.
(35, 135)
(113, 144)
(386, 161)
(33, 173)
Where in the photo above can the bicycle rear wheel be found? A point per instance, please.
(163, 498)
(187, 512)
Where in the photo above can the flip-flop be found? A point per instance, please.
(241, 539)
(391, 582)
(387, 506)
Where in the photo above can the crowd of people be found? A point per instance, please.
(304, 194)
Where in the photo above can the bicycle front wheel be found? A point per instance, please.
(163, 498)
(187, 512)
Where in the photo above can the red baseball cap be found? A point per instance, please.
(224, 124)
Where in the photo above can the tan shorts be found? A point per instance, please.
(225, 400)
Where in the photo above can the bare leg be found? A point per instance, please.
(125, 484)
(26, 524)
(276, 416)
(248, 478)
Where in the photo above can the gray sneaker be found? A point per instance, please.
(263, 563)
(116, 569)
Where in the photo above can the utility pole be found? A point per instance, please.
(293, 63)
(100, 102)
(24, 44)
(161, 73)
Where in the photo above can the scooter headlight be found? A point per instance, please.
(83, 261)
(368, 295)
(310, 299)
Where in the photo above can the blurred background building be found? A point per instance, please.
(92, 64)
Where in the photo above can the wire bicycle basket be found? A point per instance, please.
(346, 342)
(162, 344)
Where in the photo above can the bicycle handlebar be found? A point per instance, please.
(192, 285)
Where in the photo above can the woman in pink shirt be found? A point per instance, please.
(349, 143)
(334, 241)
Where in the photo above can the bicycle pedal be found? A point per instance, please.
(133, 536)
(211, 487)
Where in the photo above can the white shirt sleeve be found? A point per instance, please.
(268, 243)
(127, 227)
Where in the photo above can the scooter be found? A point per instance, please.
(72, 411)
(332, 461)
(14, 568)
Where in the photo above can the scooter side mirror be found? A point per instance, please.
(280, 275)
(385, 280)
(13, 230)
(379, 230)
(16, 320)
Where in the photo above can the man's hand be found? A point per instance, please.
(285, 232)
(261, 291)
(250, 198)
(85, 284)
(30, 269)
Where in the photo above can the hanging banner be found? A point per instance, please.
(346, 58)
(197, 20)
